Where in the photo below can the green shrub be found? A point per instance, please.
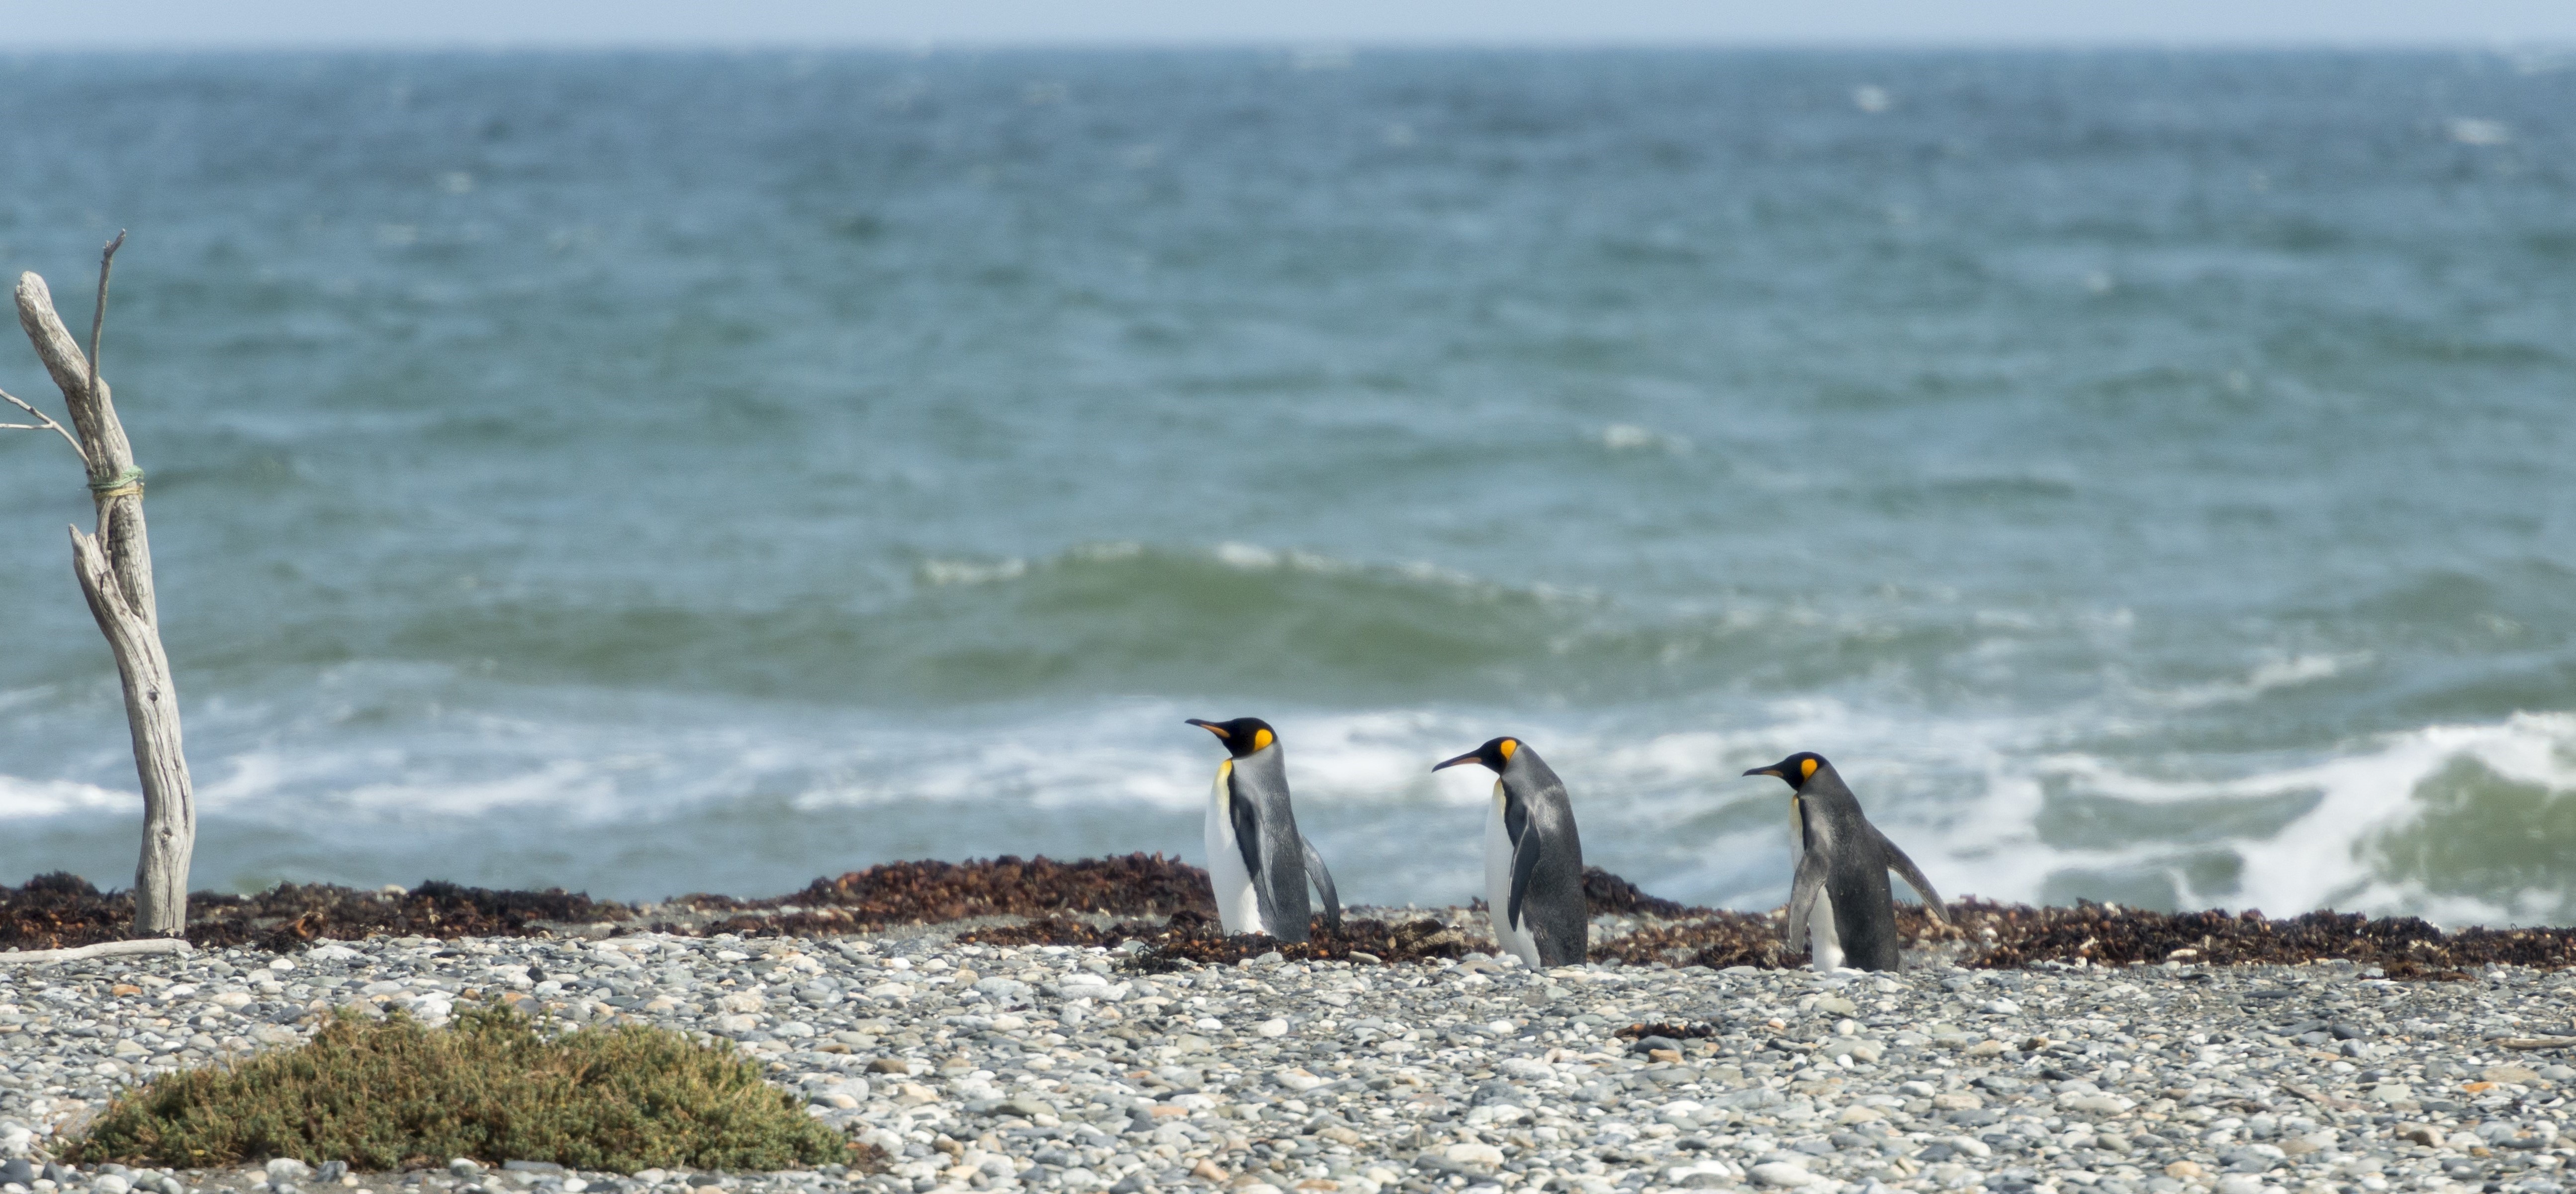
(387, 1094)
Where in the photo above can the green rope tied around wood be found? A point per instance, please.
(127, 482)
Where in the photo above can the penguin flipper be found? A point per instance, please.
(1247, 830)
(1524, 865)
(1913, 876)
(1803, 890)
(1323, 880)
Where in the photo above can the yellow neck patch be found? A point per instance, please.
(1509, 745)
(1806, 769)
(1261, 739)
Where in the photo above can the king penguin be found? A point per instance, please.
(1533, 858)
(1258, 861)
(1839, 898)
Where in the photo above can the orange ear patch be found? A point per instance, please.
(1807, 768)
(1261, 739)
(1509, 745)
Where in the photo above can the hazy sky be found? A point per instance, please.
(213, 23)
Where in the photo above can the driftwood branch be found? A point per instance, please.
(114, 567)
(2318, 1097)
(43, 422)
(104, 949)
(98, 312)
(2536, 1042)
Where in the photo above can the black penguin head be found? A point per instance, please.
(1797, 768)
(1496, 754)
(1242, 736)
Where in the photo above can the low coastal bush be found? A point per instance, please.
(386, 1094)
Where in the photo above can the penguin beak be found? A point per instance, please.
(1773, 772)
(1213, 728)
(1469, 757)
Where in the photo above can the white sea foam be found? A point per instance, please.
(27, 799)
(1969, 799)
(1250, 557)
(1661, 798)
(2320, 859)
(1628, 437)
(2283, 672)
(970, 572)
(1247, 557)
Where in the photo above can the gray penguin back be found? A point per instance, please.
(1863, 900)
(1552, 901)
(1540, 797)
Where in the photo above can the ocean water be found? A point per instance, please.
(2146, 475)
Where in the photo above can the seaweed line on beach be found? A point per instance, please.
(1163, 910)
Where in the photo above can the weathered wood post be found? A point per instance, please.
(114, 566)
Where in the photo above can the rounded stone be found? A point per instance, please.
(1784, 1175)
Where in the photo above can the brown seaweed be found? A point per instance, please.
(930, 892)
(60, 910)
(1165, 909)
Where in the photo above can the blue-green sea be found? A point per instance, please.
(2150, 477)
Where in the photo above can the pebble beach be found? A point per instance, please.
(983, 1067)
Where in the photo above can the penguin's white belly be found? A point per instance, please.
(1513, 937)
(1824, 941)
(1238, 908)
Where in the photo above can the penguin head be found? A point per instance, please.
(1797, 768)
(1242, 736)
(1496, 754)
